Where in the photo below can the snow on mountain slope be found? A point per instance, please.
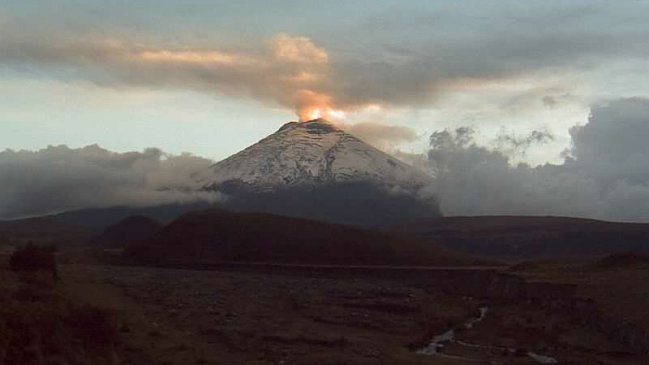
(306, 154)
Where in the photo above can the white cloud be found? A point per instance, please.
(607, 175)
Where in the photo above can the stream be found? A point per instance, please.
(436, 345)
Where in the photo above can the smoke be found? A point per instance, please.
(290, 71)
(383, 136)
(399, 56)
(60, 178)
(606, 173)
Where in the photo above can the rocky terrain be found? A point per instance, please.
(615, 289)
(172, 316)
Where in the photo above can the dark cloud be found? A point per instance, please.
(516, 145)
(606, 175)
(60, 178)
(396, 56)
(417, 52)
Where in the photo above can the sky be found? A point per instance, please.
(208, 78)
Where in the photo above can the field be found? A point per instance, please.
(173, 316)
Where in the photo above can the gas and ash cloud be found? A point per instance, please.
(393, 56)
(290, 71)
(383, 136)
(606, 175)
(60, 178)
(295, 72)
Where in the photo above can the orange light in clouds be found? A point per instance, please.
(337, 114)
(317, 112)
(311, 105)
(188, 57)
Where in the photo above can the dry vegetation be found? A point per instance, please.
(41, 324)
(170, 316)
(618, 283)
(98, 314)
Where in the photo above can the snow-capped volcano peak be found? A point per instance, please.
(312, 153)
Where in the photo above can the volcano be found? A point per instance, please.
(315, 170)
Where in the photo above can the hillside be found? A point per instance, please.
(531, 237)
(127, 232)
(256, 237)
(100, 218)
(42, 231)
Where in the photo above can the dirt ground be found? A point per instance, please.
(620, 290)
(171, 316)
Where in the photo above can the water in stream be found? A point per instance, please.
(434, 348)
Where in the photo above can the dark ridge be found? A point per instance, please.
(100, 218)
(623, 259)
(43, 231)
(254, 237)
(127, 232)
(531, 237)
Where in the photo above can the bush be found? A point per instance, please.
(34, 258)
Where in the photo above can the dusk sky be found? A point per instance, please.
(561, 86)
(211, 77)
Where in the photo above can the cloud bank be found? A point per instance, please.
(406, 56)
(60, 178)
(606, 173)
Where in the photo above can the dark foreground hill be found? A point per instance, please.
(254, 237)
(127, 232)
(532, 237)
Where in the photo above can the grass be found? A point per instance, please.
(39, 324)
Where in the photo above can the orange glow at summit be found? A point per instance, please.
(321, 112)
(311, 105)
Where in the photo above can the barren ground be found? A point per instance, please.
(171, 316)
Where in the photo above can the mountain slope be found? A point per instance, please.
(527, 237)
(129, 231)
(315, 170)
(253, 237)
(42, 231)
(310, 153)
(100, 218)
